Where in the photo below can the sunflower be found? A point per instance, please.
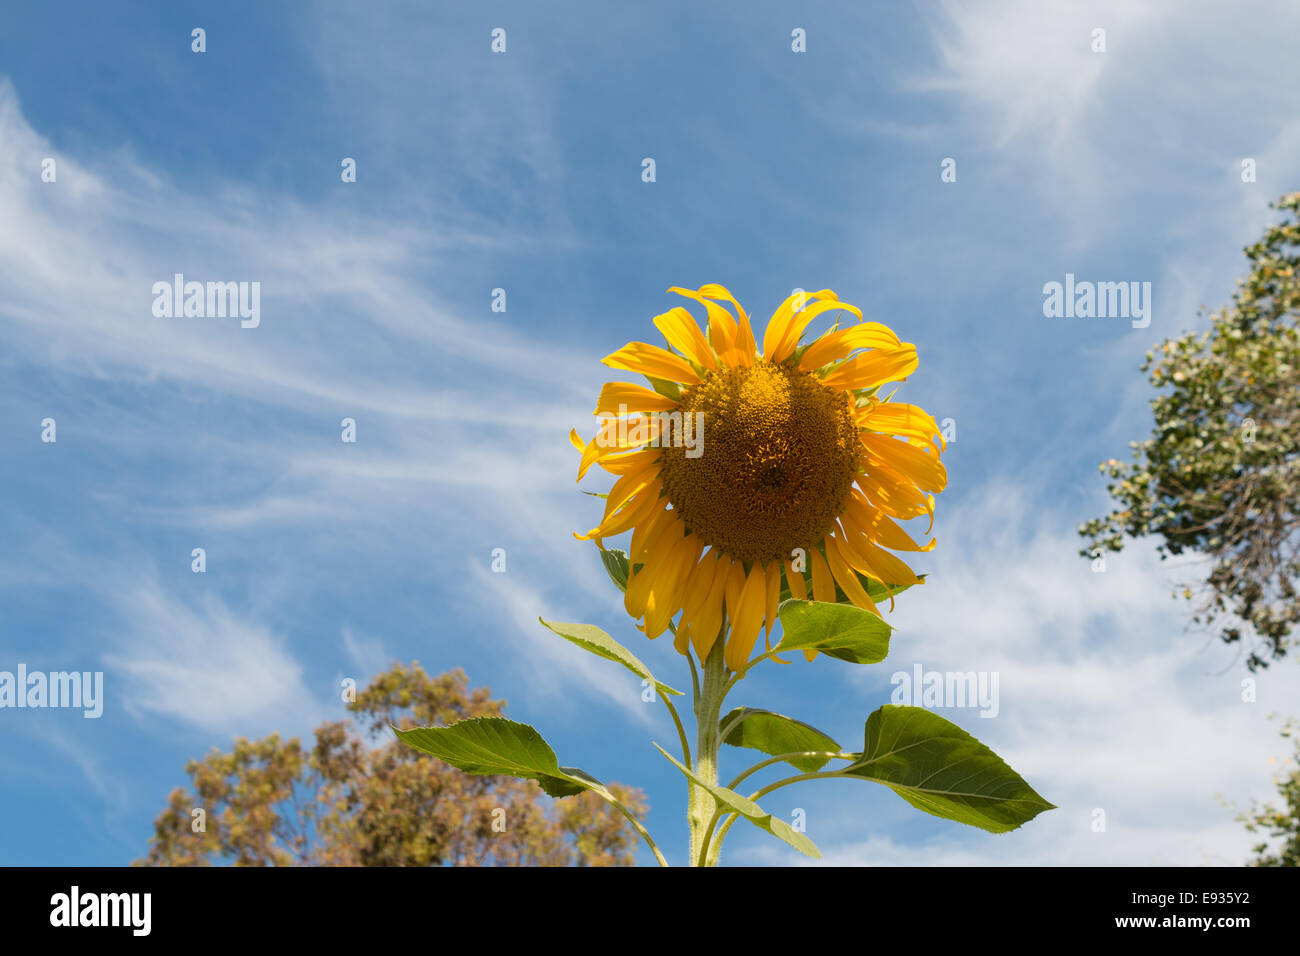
(745, 477)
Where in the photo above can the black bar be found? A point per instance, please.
(522, 907)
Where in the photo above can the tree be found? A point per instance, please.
(1220, 475)
(1283, 821)
(358, 797)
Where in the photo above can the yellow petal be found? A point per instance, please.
(798, 586)
(789, 341)
(855, 546)
(683, 334)
(899, 418)
(608, 442)
(749, 620)
(638, 510)
(699, 586)
(885, 567)
(908, 460)
(668, 526)
(644, 534)
(640, 582)
(745, 335)
(837, 345)
(735, 586)
(873, 368)
(773, 595)
(653, 361)
(893, 493)
(723, 329)
(778, 327)
(627, 487)
(632, 461)
(838, 556)
(622, 398)
(707, 622)
(878, 526)
(669, 589)
(778, 324)
(822, 581)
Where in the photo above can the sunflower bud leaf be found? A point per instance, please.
(616, 566)
(665, 388)
(593, 639)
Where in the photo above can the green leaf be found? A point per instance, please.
(774, 734)
(494, 746)
(665, 388)
(937, 767)
(844, 631)
(751, 811)
(616, 567)
(593, 639)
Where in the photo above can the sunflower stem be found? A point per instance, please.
(708, 707)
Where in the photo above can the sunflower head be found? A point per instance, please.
(746, 476)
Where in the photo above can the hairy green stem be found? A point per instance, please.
(701, 806)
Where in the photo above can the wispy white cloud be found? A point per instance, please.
(346, 323)
(203, 665)
(366, 654)
(454, 429)
(1159, 121)
(1029, 66)
(95, 768)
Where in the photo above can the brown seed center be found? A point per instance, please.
(779, 454)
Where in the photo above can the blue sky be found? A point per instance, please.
(522, 171)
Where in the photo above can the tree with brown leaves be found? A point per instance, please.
(360, 798)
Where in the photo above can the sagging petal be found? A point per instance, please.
(623, 398)
(874, 368)
(838, 345)
(652, 361)
(683, 333)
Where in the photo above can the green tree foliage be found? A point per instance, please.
(1220, 475)
(358, 797)
(1279, 822)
